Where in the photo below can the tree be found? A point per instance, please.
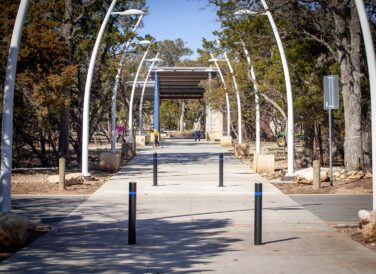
(327, 34)
(55, 50)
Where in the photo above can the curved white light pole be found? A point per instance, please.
(290, 106)
(257, 104)
(240, 136)
(7, 119)
(117, 80)
(85, 115)
(209, 124)
(215, 60)
(130, 119)
(371, 61)
(154, 60)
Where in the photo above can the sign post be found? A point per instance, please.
(331, 101)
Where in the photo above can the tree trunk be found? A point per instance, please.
(348, 49)
(67, 31)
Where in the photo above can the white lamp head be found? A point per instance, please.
(216, 60)
(154, 60)
(248, 12)
(144, 42)
(129, 12)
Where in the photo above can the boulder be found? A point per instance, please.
(263, 163)
(226, 141)
(128, 150)
(141, 140)
(13, 229)
(355, 175)
(368, 221)
(110, 161)
(70, 179)
(211, 137)
(244, 149)
(368, 175)
(307, 174)
(364, 216)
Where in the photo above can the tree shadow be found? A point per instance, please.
(162, 246)
(47, 210)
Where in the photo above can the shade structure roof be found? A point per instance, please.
(176, 82)
(182, 82)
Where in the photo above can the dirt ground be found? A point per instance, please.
(37, 183)
(362, 186)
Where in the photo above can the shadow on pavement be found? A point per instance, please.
(162, 246)
(47, 210)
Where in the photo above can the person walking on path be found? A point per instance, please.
(120, 130)
(197, 129)
(156, 138)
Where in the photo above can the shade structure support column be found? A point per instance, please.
(156, 101)
(143, 92)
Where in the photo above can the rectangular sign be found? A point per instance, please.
(331, 92)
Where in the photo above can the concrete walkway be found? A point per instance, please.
(189, 225)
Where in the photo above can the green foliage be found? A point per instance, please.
(54, 55)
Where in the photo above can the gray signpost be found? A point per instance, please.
(331, 101)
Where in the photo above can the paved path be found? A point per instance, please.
(334, 209)
(189, 225)
(46, 209)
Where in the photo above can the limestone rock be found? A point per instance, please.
(307, 174)
(368, 225)
(368, 175)
(110, 161)
(355, 175)
(226, 141)
(364, 216)
(13, 229)
(70, 179)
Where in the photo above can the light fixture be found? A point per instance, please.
(129, 12)
(144, 42)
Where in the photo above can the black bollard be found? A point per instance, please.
(155, 169)
(258, 214)
(132, 214)
(220, 170)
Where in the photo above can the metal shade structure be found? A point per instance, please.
(181, 82)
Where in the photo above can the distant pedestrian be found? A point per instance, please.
(156, 138)
(197, 129)
(120, 130)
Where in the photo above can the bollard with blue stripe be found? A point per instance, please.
(155, 169)
(132, 214)
(258, 214)
(220, 170)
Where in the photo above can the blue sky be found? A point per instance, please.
(190, 20)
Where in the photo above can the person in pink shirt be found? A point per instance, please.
(120, 130)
